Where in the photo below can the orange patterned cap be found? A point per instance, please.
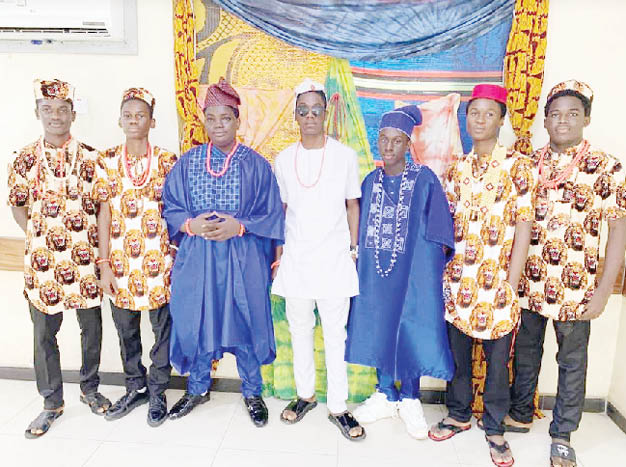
(572, 85)
(53, 89)
(139, 93)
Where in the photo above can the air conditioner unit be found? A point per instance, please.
(42, 25)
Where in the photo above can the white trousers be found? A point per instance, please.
(334, 316)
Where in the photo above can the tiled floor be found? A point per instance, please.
(219, 434)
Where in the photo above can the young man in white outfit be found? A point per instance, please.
(319, 185)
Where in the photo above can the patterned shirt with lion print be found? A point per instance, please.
(560, 273)
(478, 299)
(140, 252)
(55, 184)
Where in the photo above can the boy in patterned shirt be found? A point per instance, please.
(579, 187)
(490, 196)
(135, 256)
(50, 186)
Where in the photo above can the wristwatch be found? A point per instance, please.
(354, 251)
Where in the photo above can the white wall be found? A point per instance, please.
(584, 41)
(617, 393)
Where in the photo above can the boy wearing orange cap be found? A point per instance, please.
(580, 186)
(135, 258)
(490, 197)
(50, 189)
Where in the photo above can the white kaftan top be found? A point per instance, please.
(316, 261)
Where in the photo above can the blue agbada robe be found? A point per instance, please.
(219, 296)
(397, 323)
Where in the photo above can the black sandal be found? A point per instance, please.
(96, 402)
(500, 449)
(300, 407)
(345, 422)
(42, 422)
(454, 430)
(562, 451)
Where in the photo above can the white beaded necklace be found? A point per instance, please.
(378, 220)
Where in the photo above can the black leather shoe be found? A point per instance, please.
(126, 404)
(257, 410)
(157, 410)
(186, 404)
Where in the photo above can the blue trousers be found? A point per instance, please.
(249, 369)
(408, 389)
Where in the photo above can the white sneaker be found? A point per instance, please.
(412, 414)
(376, 407)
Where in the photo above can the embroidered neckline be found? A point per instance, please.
(227, 162)
(400, 211)
(481, 202)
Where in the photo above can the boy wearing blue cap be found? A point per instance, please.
(406, 235)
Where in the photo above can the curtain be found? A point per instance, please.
(372, 29)
(523, 65)
(345, 119)
(192, 131)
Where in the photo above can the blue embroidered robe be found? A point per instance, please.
(397, 323)
(220, 300)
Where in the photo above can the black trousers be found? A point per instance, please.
(573, 340)
(47, 358)
(496, 396)
(127, 323)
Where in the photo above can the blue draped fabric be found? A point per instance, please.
(397, 323)
(372, 29)
(482, 56)
(220, 300)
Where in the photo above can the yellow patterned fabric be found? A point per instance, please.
(192, 131)
(523, 65)
(261, 68)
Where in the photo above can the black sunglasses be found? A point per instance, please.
(316, 110)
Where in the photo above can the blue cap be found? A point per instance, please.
(403, 118)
